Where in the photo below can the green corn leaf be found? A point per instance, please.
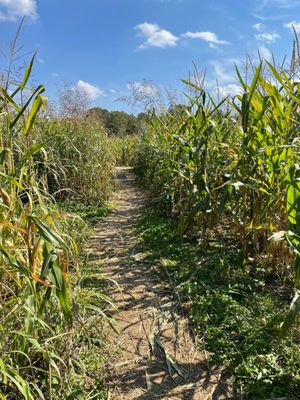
(61, 290)
(29, 322)
(26, 76)
(191, 84)
(11, 180)
(33, 150)
(291, 315)
(45, 301)
(240, 78)
(38, 91)
(11, 101)
(13, 261)
(47, 264)
(293, 197)
(47, 233)
(20, 383)
(254, 82)
(3, 155)
(3, 371)
(39, 101)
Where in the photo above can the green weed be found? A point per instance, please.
(233, 308)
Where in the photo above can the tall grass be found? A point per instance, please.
(34, 253)
(50, 319)
(80, 163)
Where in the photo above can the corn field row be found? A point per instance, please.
(48, 314)
(235, 164)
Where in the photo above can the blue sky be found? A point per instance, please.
(101, 46)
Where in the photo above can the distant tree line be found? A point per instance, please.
(118, 123)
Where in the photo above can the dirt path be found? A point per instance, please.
(153, 354)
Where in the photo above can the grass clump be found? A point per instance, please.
(90, 213)
(234, 308)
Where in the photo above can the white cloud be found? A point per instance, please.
(91, 91)
(209, 37)
(258, 27)
(292, 24)
(267, 37)
(155, 36)
(113, 91)
(12, 10)
(229, 90)
(41, 60)
(265, 53)
(222, 71)
(55, 75)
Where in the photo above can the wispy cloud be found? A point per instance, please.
(259, 27)
(155, 36)
(283, 4)
(209, 37)
(292, 24)
(229, 90)
(265, 53)
(267, 37)
(274, 17)
(222, 71)
(91, 91)
(262, 36)
(12, 10)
